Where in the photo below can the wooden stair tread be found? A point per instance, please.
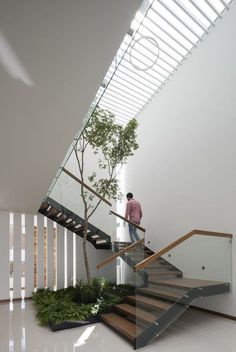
(159, 265)
(124, 326)
(186, 283)
(52, 213)
(156, 291)
(166, 272)
(138, 313)
(153, 303)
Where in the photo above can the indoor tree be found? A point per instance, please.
(112, 144)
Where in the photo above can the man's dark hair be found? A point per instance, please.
(129, 195)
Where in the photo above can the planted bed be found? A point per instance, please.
(78, 306)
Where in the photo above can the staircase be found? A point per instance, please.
(161, 294)
(161, 268)
(163, 297)
(66, 218)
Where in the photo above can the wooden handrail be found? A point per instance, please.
(114, 256)
(157, 255)
(86, 186)
(128, 221)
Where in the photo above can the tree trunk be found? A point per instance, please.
(86, 262)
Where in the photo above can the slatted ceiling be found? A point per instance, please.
(188, 17)
(209, 15)
(182, 38)
(165, 39)
(155, 73)
(116, 107)
(225, 2)
(147, 79)
(115, 100)
(177, 22)
(203, 20)
(168, 33)
(129, 94)
(133, 80)
(165, 47)
(177, 26)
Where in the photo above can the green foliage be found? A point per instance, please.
(114, 143)
(79, 302)
(88, 294)
(57, 311)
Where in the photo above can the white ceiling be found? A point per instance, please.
(61, 51)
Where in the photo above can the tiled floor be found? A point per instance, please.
(193, 332)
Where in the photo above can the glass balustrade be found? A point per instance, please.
(205, 257)
(67, 192)
(165, 286)
(105, 225)
(198, 267)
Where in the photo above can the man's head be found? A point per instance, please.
(129, 195)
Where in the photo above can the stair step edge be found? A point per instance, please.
(124, 326)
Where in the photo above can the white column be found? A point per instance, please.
(74, 259)
(40, 262)
(17, 267)
(50, 263)
(60, 257)
(69, 258)
(29, 255)
(4, 255)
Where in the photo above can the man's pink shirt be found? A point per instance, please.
(133, 211)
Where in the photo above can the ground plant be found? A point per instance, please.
(78, 303)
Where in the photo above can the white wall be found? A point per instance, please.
(184, 171)
(4, 254)
(64, 48)
(95, 256)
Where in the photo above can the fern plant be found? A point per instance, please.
(79, 302)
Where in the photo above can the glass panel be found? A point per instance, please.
(67, 207)
(67, 192)
(123, 273)
(110, 272)
(168, 285)
(210, 258)
(152, 300)
(198, 267)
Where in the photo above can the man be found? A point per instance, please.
(134, 214)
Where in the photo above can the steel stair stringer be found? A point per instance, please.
(50, 205)
(176, 310)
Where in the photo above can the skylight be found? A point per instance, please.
(162, 35)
